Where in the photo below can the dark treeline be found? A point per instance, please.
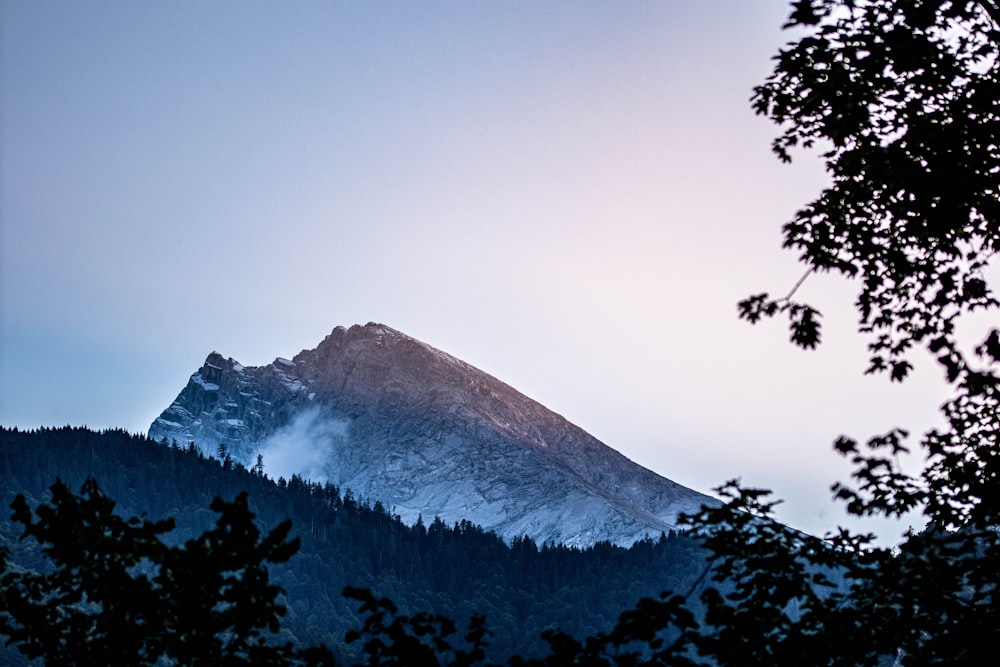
(458, 570)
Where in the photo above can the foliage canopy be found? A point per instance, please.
(117, 593)
(901, 98)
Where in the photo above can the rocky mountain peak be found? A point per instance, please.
(396, 420)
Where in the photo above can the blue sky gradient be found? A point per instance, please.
(571, 196)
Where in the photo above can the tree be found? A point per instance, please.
(222, 453)
(117, 593)
(395, 639)
(901, 97)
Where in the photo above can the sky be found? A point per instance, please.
(571, 196)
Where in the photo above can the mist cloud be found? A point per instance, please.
(304, 447)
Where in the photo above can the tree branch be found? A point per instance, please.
(797, 285)
(992, 8)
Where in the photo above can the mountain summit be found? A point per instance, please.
(395, 420)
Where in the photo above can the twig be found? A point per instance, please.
(798, 284)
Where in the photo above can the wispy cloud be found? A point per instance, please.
(304, 446)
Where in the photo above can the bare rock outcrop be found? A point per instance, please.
(396, 420)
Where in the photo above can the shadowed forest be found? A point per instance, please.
(457, 571)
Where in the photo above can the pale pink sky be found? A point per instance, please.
(571, 196)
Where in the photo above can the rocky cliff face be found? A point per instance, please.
(395, 420)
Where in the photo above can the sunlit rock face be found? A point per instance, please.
(395, 420)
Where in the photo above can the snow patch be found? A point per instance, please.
(179, 410)
(207, 386)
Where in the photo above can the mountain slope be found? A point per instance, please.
(395, 420)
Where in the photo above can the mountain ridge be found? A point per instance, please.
(427, 434)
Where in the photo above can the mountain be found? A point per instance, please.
(397, 421)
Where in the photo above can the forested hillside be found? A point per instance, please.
(459, 570)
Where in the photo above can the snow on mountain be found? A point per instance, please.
(396, 420)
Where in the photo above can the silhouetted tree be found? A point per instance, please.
(901, 97)
(118, 594)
